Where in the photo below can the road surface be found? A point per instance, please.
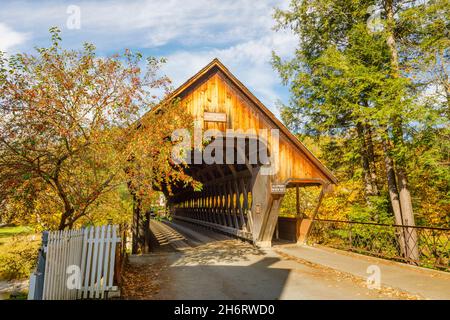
(192, 262)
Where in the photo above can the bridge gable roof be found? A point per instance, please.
(214, 67)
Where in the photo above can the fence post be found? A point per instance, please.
(37, 279)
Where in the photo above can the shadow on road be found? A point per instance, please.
(252, 281)
(227, 251)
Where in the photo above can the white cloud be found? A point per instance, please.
(152, 23)
(249, 61)
(189, 33)
(10, 38)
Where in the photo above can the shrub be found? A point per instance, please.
(18, 257)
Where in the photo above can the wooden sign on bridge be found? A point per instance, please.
(215, 116)
(278, 189)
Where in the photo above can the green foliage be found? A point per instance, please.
(346, 92)
(18, 257)
(308, 200)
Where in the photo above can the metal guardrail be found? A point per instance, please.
(390, 241)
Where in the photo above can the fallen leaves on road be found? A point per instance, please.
(144, 281)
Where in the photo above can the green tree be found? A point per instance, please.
(350, 81)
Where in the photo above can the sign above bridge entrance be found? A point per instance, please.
(215, 116)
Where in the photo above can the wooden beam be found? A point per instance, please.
(246, 204)
(238, 201)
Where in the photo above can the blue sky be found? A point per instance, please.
(189, 33)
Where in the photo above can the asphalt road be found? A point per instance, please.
(195, 263)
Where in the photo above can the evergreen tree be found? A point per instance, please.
(354, 77)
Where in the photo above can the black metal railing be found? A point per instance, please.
(423, 246)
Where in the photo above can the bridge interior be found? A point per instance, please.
(225, 201)
(234, 197)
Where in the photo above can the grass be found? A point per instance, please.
(8, 232)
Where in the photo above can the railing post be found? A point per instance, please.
(350, 239)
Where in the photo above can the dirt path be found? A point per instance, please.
(192, 263)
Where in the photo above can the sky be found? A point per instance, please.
(189, 33)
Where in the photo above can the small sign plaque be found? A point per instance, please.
(215, 116)
(278, 189)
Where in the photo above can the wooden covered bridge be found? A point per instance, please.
(241, 196)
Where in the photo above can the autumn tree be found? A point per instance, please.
(150, 166)
(67, 130)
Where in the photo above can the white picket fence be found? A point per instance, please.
(79, 264)
(97, 262)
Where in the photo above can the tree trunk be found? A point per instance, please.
(411, 240)
(368, 186)
(405, 197)
(393, 195)
(145, 233)
(66, 215)
(390, 40)
(372, 163)
(62, 222)
(445, 82)
(135, 227)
